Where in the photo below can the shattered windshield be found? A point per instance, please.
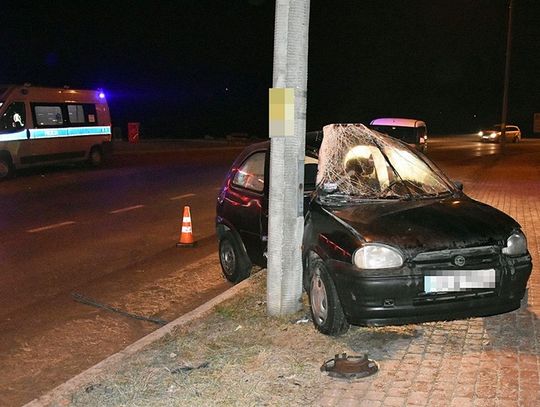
(356, 163)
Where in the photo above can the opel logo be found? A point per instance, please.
(459, 261)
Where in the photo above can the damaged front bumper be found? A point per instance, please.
(398, 296)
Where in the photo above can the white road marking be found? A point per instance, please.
(56, 225)
(129, 208)
(181, 197)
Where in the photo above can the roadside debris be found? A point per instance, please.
(303, 320)
(187, 368)
(89, 301)
(350, 367)
(98, 387)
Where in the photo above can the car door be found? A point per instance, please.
(310, 178)
(47, 136)
(244, 202)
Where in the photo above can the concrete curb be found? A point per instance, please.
(59, 393)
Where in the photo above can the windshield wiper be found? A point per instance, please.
(334, 199)
(341, 199)
(437, 195)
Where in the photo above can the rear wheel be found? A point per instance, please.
(95, 158)
(235, 263)
(326, 310)
(6, 168)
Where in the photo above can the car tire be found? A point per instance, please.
(326, 310)
(6, 168)
(235, 263)
(95, 158)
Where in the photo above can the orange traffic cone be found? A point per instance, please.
(186, 236)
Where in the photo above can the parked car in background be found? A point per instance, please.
(411, 131)
(388, 238)
(493, 134)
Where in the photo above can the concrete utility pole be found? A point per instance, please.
(287, 131)
(506, 73)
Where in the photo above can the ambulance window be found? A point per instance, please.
(90, 114)
(47, 116)
(14, 116)
(82, 114)
(76, 114)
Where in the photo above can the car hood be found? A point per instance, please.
(428, 224)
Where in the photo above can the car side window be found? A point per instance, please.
(310, 173)
(250, 175)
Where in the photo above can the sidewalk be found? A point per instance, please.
(228, 353)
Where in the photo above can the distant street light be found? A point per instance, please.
(506, 73)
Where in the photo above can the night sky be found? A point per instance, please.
(198, 67)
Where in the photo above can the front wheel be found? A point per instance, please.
(326, 310)
(234, 261)
(6, 168)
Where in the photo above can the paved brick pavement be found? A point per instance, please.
(491, 361)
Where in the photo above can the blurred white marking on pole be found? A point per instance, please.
(56, 225)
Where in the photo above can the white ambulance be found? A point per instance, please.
(411, 131)
(41, 125)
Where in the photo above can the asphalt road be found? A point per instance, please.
(63, 228)
(109, 235)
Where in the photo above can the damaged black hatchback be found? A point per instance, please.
(388, 238)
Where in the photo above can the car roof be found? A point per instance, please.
(396, 121)
(313, 143)
(507, 125)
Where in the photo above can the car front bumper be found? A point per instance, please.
(488, 139)
(377, 300)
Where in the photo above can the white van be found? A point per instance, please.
(411, 131)
(41, 125)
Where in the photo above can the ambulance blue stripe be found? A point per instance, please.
(70, 132)
(20, 135)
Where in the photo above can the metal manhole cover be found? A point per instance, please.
(350, 367)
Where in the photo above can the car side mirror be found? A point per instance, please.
(459, 185)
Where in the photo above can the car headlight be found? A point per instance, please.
(480, 133)
(516, 244)
(377, 256)
(493, 135)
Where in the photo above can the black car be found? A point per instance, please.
(388, 238)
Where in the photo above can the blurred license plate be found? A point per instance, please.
(458, 280)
